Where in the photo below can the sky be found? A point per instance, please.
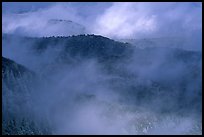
(96, 97)
(119, 20)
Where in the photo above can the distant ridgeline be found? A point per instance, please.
(87, 46)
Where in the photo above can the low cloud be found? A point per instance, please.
(144, 95)
(117, 20)
(136, 20)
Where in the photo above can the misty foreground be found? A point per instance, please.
(90, 84)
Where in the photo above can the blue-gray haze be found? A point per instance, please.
(102, 68)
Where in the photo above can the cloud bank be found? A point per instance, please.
(115, 20)
(89, 98)
(129, 100)
(130, 20)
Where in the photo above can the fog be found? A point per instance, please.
(153, 91)
(129, 20)
(82, 98)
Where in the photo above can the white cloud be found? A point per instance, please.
(36, 23)
(125, 20)
(114, 20)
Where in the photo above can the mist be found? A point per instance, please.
(115, 88)
(129, 20)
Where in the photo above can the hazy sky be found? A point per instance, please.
(127, 101)
(111, 19)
